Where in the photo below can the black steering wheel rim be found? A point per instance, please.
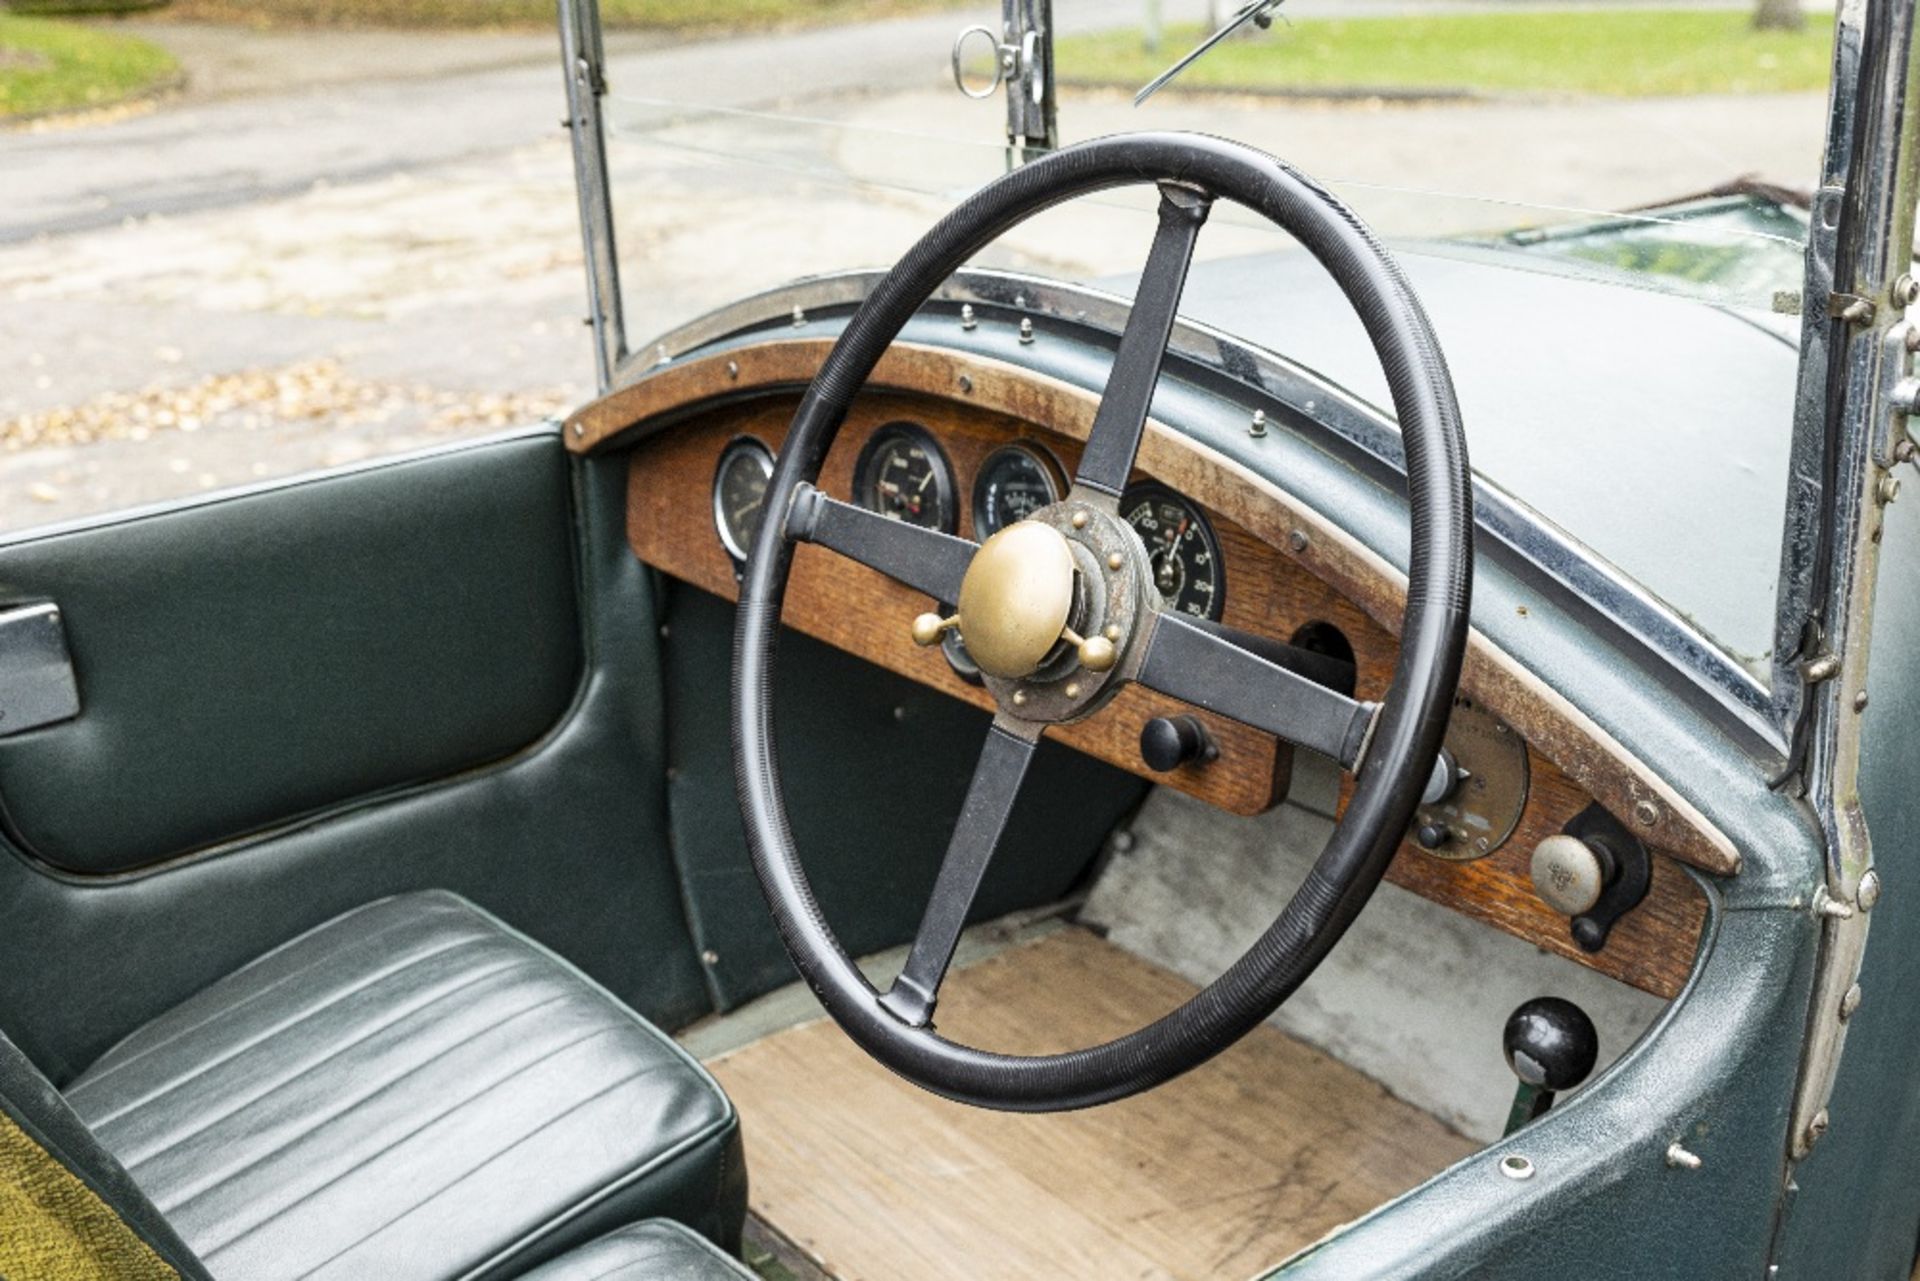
(1405, 736)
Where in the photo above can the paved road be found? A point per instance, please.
(390, 240)
(272, 113)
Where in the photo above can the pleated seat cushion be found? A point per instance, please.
(410, 1091)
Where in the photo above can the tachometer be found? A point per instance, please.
(903, 473)
(1182, 547)
(1012, 484)
(740, 493)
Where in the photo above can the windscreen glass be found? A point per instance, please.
(1604, 210)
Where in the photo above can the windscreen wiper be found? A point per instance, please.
(1258, 12)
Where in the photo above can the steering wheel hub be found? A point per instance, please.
(1017, 599)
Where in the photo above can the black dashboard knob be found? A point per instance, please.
(1550, 1043)
(1431, 836)
(1168, 742)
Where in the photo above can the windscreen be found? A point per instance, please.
(1603, 209)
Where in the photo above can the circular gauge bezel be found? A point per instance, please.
(945, 490)
(1154, 490)
(738, 447)
(1039, 455)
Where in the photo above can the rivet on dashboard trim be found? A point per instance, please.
(1258, 427)
(1646, 813)
(1516, 1167)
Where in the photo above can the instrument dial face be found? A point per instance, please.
(740, 493)
(1013, 483)
(1182, 548)
(903, 475)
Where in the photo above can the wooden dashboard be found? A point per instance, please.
(1283, 566)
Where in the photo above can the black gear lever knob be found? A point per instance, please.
(1551, 1045)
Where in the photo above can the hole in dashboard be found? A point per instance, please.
(1324, 638)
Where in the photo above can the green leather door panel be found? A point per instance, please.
(565, 838)
(248, 662)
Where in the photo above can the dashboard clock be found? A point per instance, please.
(902, 473)
(1182, 548)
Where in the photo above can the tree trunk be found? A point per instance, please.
(1779, 15)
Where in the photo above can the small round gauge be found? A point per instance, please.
(1012, 484)
(1181, 547)
(903, 474)
(740, 493)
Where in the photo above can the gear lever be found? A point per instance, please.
(1551, 1045)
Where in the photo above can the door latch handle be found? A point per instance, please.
(37, 685)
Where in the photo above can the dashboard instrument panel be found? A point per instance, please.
(1272, 570)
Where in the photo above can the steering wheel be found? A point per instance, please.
(1059, 612)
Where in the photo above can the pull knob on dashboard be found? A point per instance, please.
(1595, 872)
(1168, 742)
(1569, 874)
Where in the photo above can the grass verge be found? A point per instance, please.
(657, 15)
(48, 67)
(1622, 52)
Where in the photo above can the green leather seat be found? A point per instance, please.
(411, 1091)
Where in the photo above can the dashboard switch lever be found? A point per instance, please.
(1168, 742)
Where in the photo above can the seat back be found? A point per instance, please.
(68, 1210)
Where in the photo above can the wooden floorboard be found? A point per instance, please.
(1221, 1174)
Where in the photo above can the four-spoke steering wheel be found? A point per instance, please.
(1059, 612)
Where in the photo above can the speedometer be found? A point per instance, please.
(1182, 548)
